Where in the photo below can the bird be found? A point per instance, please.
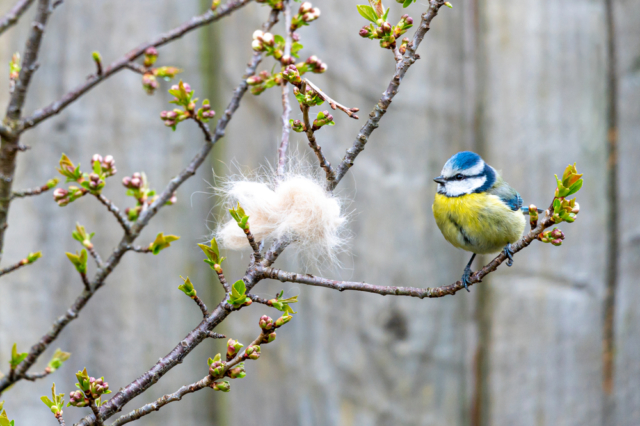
(476, 210)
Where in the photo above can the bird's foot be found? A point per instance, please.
(466, 277)
(509, 253)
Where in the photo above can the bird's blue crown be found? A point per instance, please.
(464, 160)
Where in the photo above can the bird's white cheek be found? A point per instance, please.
(456, 188)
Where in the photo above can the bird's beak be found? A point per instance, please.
(440, 180)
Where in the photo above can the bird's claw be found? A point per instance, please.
(466, 276)
(509, 253)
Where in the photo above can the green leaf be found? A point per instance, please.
(367, 13)
(574, 188)
(238, 296)
(278, 39)
(162, 242)
(58, 358)
(16, 357)
(386, 13)
(46, 401)
(187, 288)
(407, 3)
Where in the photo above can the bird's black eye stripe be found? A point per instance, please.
(460, 176)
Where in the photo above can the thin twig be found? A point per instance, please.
(254, 245)
(213, 335)
(381, 107)
(258, 299)
(92, 251)
(135, 67)
(317, 149)
(201, 305)
(30, 192)
(275, 251)
(223, 281)
(286, 107)
(192, 24)
(85, 281)
(349, 111)
(13, 267)
(139, 249)
(164, 400)
(12, 17)
(122, 220)
(421, 293)
(32, 377)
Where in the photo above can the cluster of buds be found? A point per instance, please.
(274, 4)
(292, 75)
(149, 82)
(554, 237)
(77, 399)
(14, 71)
(233, 347)
(267, 42)
(268, 327)
(565, 210)
(263, 81)
(252, 352)
(237, 372)
(65, 196)
(138, 188)
(297, 126)
(306, 13)
(222, 386)
(107, 164)
(90, 390)
(386, 33)
(309, 98)
(216, 366)
(323, 119)
(183, 96)
(150, 56)
(312, 64)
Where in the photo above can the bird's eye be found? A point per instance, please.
(459, 177)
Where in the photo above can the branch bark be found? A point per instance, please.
(286, 107)
(421, 293)
(381, 107)
(12, 17)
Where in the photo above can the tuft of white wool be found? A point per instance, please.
(296, 206)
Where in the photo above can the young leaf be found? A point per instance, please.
(367, 13)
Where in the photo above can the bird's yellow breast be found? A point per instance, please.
(479, 223)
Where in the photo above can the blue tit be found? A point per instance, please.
(476, 210)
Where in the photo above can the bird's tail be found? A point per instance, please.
(525, 210)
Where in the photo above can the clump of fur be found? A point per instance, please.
(296, 206)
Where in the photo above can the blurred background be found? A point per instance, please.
(531, 85)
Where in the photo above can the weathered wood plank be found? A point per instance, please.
(544, 106)
(627, 337)
(139, 315)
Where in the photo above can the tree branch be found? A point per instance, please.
(13, 267)
(286, 107)
(311, 137)
(333, 104)
(12, 17)
(162, 401)
(383, 104)
(30, 192)
(421, 293)
(194, 23)
(122, 220)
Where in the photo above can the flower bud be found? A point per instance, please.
(257, 34)
(271, 337)
(265, 323)
(216, 369)
(386, 27)
(223, 386)
(96, 157)
(59, 194)
(233, 347)
(252, 352)
(268, 39)
(257, 45)
(283, 320)
(365, 32)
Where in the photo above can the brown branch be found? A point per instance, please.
(349, 111)
(164, 400)
(258, 299)
(32, 377)
(122, 220)
(29, 192)
(381, 107)
(96, 413)
(13, 267)
(213, 335)
(12, 17)
(311, 137)
(137, 68)
(421, 293)
(192, 24)
(286, 107)
(92, 251)
(254, 245)
(275, 251)
(85, 281)
(10, 144)
(201, 305)
(223, 281)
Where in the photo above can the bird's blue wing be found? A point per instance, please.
(507, 195)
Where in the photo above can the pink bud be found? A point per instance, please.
(151, 51)
(96, 157)
(305, 7)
